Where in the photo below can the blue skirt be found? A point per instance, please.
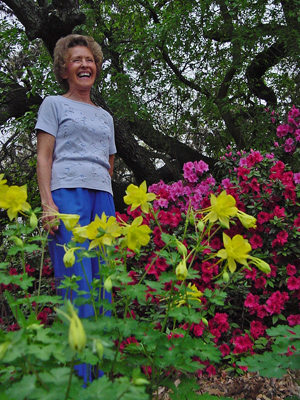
(87, 203)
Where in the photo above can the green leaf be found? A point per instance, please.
(19, 316)
(23, 389)
(269, 365)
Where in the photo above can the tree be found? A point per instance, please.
(182, 79)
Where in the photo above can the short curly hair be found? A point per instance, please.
(61, 54)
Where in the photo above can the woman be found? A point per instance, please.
(75, 154)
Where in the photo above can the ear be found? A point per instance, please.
(64, 74)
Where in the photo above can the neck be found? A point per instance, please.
(83, 96)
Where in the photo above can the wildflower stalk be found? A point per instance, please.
(70, 377)
(90, 290)
(35, 372)
(42, 262)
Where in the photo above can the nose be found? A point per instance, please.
(84, 62)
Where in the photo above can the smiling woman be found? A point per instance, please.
(75, 155)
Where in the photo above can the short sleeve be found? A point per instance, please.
(47, 119)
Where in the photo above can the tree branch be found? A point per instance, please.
(259, 66)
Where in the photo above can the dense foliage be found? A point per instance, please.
(206, 277)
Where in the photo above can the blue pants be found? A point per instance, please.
(87, 203)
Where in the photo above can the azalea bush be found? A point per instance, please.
(204, 272)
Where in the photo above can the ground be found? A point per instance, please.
(249, 386)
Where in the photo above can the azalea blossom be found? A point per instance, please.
(138, 196)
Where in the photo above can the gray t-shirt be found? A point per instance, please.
(84, 139)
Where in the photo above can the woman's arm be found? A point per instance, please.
(45, 146)
(111, 162)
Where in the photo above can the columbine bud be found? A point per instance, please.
(108, 284)
(181, 270)
(99, 348)
(140, 382)
(18, 241)
(3, 349)
(181, 248)
(200, 225)
(191, 217)
(204, 320)
(225, 276)
(33, 221)
(69, 258)
(77, 335)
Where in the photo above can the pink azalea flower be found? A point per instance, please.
(293, 320)
(291, 270)
(250, 273)
(200, 167)
(282, 130)
(211, 370)
(256, 241)
(275, 303)
(198, 329)
(242, 344)
(297, 177)
(293, 283)
(224, 349)
(257, 329)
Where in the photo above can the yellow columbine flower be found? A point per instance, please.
(247, 220)
(13, 198)
(138, 196)
(79, 234)
(222, 208)
(192, 293)
(181, 270)
(236, 250)
(2, 181)
(77, 335)
(102, 231)
(260, 264)
(136, 235)
(69, 220)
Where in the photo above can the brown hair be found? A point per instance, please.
(61, 54)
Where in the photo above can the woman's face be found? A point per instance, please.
(81, 69)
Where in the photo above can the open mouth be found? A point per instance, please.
(84, 74)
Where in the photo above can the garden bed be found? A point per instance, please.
(248, 386)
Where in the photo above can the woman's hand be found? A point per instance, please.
(50, 220)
